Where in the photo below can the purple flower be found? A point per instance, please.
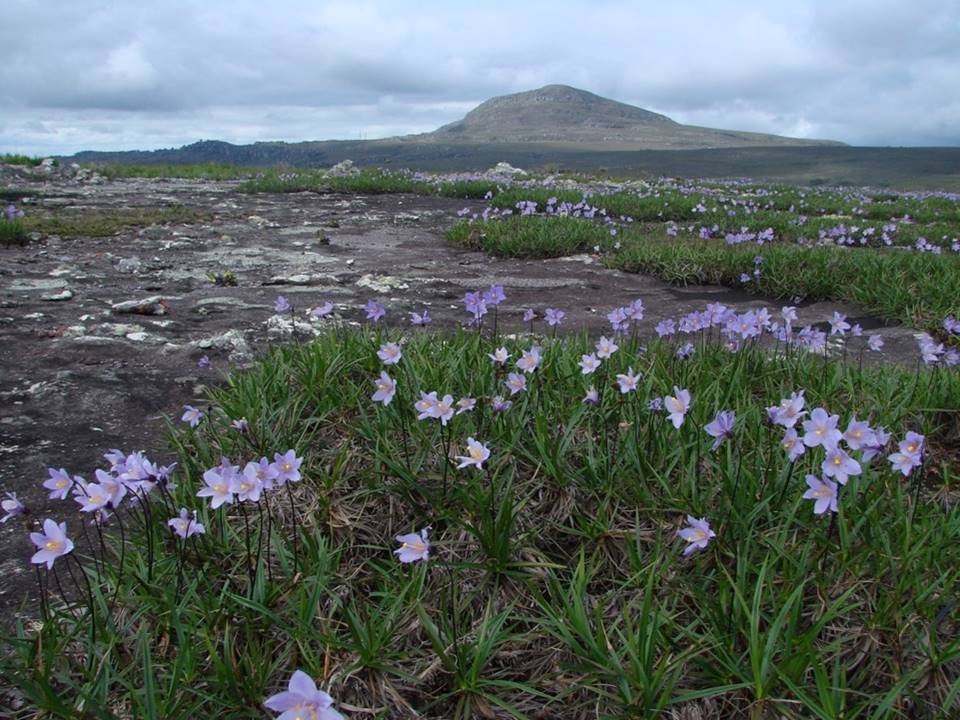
(904, 462)
(389, 353)
(288, 467)
(374, 310)
(499, 356)
(875, 343)
(554, 317)
(185, 526)
(685, 351)
(474, 304)
(628, 382)
(824, 492)
(839, 324)
(12, 507)
(94, 497)
(443, 409)
(191, 415)
(499, 405)
(951, 324)
(655, 404)
(386, 389)
(477, 453)
(721, 427)
(425, 405)
(529, 315)
(51, 543)
(697, 534)
(592, 397)
(240, 424)
(58, 484)
(203, 363)
(792, 444)
(465, 404)
(417, 319)
(677, 406)
(913, 444)
(321, 311)
(665, 328)
(280, 305)
(788, 411)
(302, 701)
(605, 348)
(494, 296)
(413, 547)
(516, 382)
(219, 487)
(838, 464)
(588, 363)
(530, 360)
(859, 434)
(821, 429)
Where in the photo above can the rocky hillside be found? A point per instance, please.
(562, 114)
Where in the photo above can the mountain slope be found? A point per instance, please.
(562, 114)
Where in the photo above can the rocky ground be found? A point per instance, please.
(100, 337)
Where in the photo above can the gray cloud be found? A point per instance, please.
(88, 74)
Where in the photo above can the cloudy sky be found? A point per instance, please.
(85, 74)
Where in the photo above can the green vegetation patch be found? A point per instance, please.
(918, 289)
(576, 560)
(198, 171)
(16, 159)
(369, 182)
(105, 222)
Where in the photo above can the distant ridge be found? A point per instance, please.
(563, 114)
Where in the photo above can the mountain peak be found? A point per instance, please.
(563, 114)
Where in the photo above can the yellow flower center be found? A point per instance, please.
(912, 447)
(220, 488)
(286, 467)
(53, 545)
(476, 453)
(837, 460)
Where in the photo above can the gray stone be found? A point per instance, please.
(153, 305)
(58, 297)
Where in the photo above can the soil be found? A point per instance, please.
(77, 378)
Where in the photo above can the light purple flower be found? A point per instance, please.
(592, 397)
(185, 525)
(821, 430)
(824, 492)
(477, 453)
(913, 444)
(204, 362)
(792, 443)
(247, 485)
(499, 356)
(697, 533)
(858, 434)
(281, 305)
(494, 296)
(288, 467)
(321, 311)
(425, 405)
(655, 404)
(530, 360)
(386, 389)
(51, 543)
(588, 363)
(554, 317)
(677, 406)
(875, 343)
(302, 701)
(240, 424)
(218, 487)
(413, 547)
(465, 404)
(191, 415)
(838, 464)
(721, 427)
(839, 324)
(418, 319)
(605, 348)
(516, 382)
(628, 382)
(58, 484)
(264, 471)
(374, 310)
(904, 462)
(499, 405)
(788, 411)
(529, 315)
(685, 351)
(389, 353)
(12, 507)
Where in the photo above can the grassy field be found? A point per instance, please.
(557, 581)
(105, 222)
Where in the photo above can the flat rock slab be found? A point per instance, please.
(109, 384)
